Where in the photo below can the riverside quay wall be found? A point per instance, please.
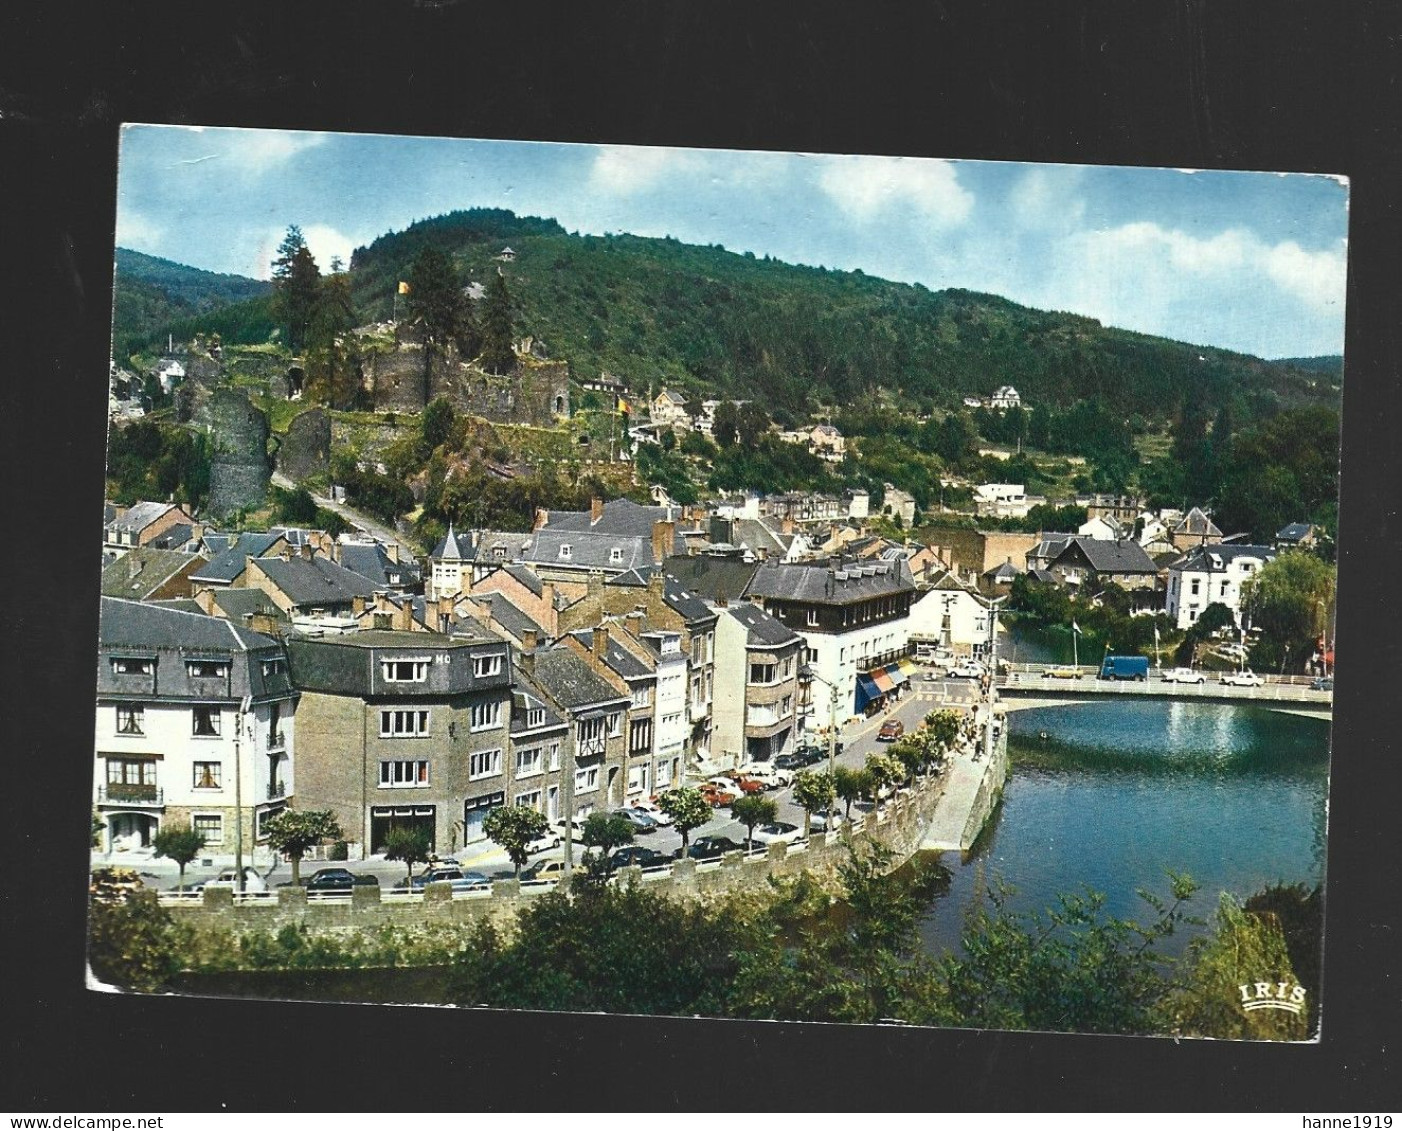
(899, 826)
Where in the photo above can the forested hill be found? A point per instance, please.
(153, 297)
(703, 318)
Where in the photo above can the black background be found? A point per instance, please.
(1279, 86)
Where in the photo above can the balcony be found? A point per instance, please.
(277, 740)
(276, 790)
(119, 793)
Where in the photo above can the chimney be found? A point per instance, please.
(655, 586)
(635, 621)
(600, 644)
(358, 604)
(526, 660)
(596, 509)
(786, 525)
(392, 552)
(404, 616)
(306, 551)
(530, 641)
(663, 533)
(264, 623)
(542, 516)
(596, 584)
(762, 553)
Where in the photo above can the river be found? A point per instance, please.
(1117, 794)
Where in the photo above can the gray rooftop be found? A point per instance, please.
(234, 559)
(569, 679)
(141, 625)
(1216, 556)
(711, 577)
(142, 571)
(589, 549)
(512, 619)
(620, 516)
(763, 629)
(237, 604)
(1124, 556)
(373, 561)
(616, 656)
(140, 515)
(316, 582)
(449, 548)
(824, 584)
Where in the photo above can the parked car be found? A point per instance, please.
(891, 730)
(652, 809)
(716, 797)
(809, 754)
(252, 881)
(1183, 675)
(777, 830)
(1322, 683)
(1246, 678)
(547, 870)
(724, 784)
(712, 847)
(969, 669)
(336, 879)
(1062, 673)
(635, 855)
(774, 777)
(820, 823)
(642, 822)
(547, 840)
(461, 881)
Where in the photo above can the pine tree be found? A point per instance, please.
(497, 354)
(298, 282)
(437, 304)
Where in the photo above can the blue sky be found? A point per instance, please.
(1246, 261)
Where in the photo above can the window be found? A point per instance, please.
(566, 552)
(637, 778)
(403, 724)
(206, 722)
(787, 669)
(762, 673)
(484, 764)
(528, 761)
(485, 666)
(1224, 589)
(207, 669)
(642, 697)
(126, 665)
(208, 775)
(590, 736)
(786, 707)
(664, 774)
(486, 716)
(131, 718)
(529, 800)
(535, 717)
(1197, 584)
(274, 667)
(586, 779)
(640, 737)
(554, 760)
(812, 618)
(615, 724)
(210, 825)
(615, 555)
(404, 671)
(404, 772)
(131, 771)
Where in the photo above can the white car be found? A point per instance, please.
(547, 840)
(1246, 678)
(785, 831)
(772, 776)
(252, 881)
(969, 669)
(652, 809)
(1183, 675)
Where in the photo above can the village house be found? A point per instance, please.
(404, 729)
(757, 692)
(1088, 563)
(947, 615)
(1212, 574)
(622, 659)
(187, 704)
(140, 524)
(1194, 529)
(668, 410)
(307, 584)
(148, 574)
(1005, 396)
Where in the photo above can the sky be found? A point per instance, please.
(1253, 262)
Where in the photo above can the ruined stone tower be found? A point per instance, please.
(239, 467)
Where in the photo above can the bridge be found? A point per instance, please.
(1024, 686)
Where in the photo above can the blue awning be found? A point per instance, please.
(866, 691)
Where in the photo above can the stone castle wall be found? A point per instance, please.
(306, 449)
(239, 469)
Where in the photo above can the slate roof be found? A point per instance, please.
(616, 656)
(1050, 545)
(139, 516)
(691, 607)
(175, 538)
(1045, 576)
(763, 630)
(1195, 522)
(620, 516)
(1125, 556)
(525, 694)
(1005, 572)
(237, 604)
(179, 605)
(513, 543)
(823, 584)
(141, 625)
(450, 548)
(1294, 532)
(589, 549)
(526, 577)
(1206, 559)
(512, 619)
(635, 578)
(215, 542)
(711, 577)
(316, 582)
(570, 680)
(373, 561)
(142, 570)
(232, 561)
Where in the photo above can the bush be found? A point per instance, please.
(339, 851)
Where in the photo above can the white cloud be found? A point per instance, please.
(1048, 198)
(255, 152)
(868, 187)
(626, 170)
(137, 232)
(1318, 277)
(326, 243)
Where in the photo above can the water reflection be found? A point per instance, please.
(1118, 794)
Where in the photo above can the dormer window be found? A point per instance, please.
(404, 671)
(615, 555)
(484, 667)
(566, 552)
(207, 669)
(535, 717)
(130, 665)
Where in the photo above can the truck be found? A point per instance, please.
(1125, 667)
